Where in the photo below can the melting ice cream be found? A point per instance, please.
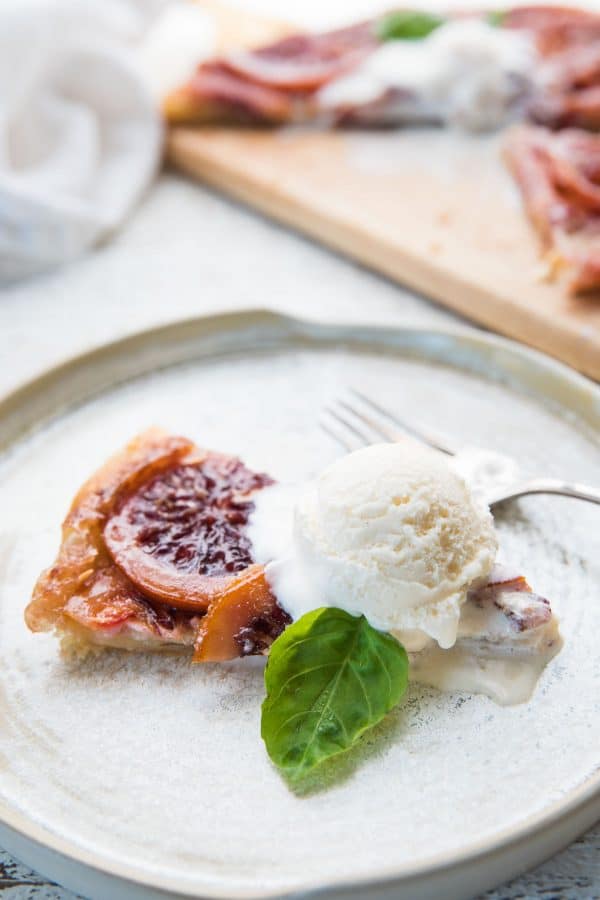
(395, 533)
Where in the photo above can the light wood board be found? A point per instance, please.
(433, 211)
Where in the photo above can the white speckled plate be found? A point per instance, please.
(133, 776)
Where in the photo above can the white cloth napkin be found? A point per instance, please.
(80, 131)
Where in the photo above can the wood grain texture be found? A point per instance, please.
(440, 215)
(441, 237)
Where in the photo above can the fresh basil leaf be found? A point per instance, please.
(496, 17)
(330, 677)
(407, 25)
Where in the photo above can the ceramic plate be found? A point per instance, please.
(130, 775)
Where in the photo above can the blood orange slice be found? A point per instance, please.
(181, 536)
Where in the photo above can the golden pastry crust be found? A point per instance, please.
(83, 595)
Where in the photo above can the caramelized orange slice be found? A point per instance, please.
(245, 620)
(180, 536)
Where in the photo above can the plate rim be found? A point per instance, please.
(561, 821)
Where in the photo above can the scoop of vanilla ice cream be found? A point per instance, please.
(391, 532)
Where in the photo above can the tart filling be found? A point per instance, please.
(506, 636)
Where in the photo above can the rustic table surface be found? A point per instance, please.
(188, 252)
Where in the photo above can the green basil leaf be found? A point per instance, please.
(407, 25)
(330, 677)
(496, 17)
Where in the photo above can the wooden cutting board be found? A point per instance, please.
(432, 210)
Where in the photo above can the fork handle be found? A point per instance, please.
(549, 486)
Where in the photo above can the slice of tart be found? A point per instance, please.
(152, 541)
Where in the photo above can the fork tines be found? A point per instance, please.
(360, 421)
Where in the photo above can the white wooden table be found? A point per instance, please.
(188, 252)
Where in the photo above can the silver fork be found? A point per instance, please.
(358, 424)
